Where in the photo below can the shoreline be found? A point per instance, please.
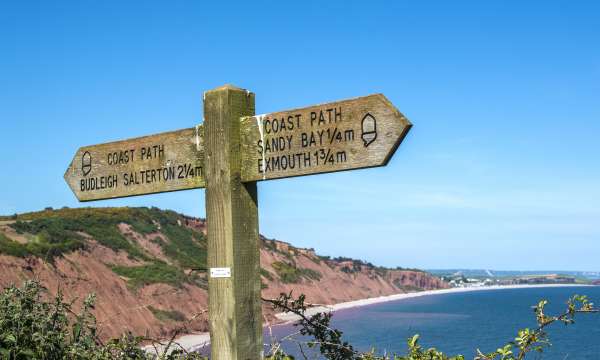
(194, 342)
(288, 318)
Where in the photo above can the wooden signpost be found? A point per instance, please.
(344, 135)
(150, 164)
(228, 154)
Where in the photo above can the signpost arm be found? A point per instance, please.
(235, 315)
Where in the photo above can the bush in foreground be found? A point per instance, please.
(33, 327)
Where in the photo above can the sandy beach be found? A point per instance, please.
(287, 317)
(193, 342)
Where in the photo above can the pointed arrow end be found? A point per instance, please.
(405, 126)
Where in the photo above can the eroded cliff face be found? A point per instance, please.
(337, 280)
(146, 282)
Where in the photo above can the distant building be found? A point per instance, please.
(462, 281)
(545, 279)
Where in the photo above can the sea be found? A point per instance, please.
(460, 323)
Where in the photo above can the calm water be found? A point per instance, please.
(460, 323)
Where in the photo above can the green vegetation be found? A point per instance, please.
(310, 274)
(46, 244)
(186, 246)
(12, 248)
(34, 325)
(59, 232)
(347, 270)
(408, 269)
(158, 241)
(289, 273)
(167, 315)
(152, 273)
(266, 274)
(53, 233)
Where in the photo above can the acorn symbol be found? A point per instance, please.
(369, 129)
(86, 163)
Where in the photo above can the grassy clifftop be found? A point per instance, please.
(53, 233)
(154, 262)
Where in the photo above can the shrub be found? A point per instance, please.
(48, 244)
(289, 273)
(152, 273)
(266, 274)
(12, 248)
(34, 328)
(310, 274)
(187, 247)
(286, 272)
(167, 315)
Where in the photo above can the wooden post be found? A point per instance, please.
(235, 317)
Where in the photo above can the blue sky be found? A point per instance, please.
(501, 169)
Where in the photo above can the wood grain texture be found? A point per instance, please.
(344, 135)
(151, 164)
(232, 226)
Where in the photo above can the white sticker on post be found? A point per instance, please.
(223, 272)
